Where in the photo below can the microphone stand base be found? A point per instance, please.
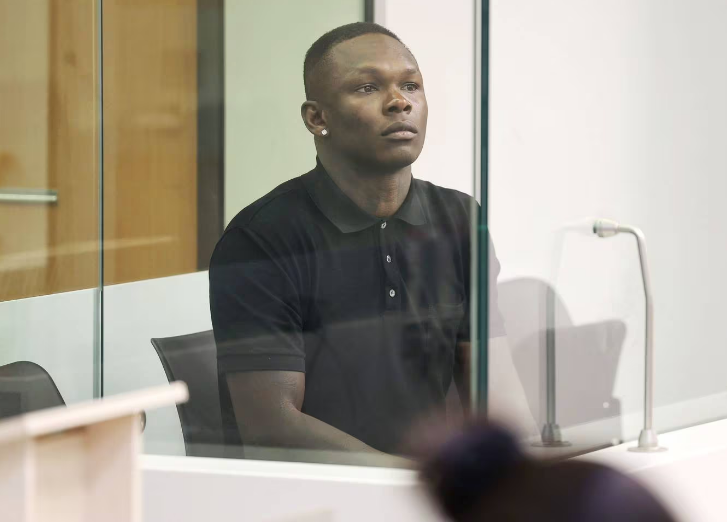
(648, 443)
(550, 438)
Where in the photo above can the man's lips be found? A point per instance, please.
(401, 128)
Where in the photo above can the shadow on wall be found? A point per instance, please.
(586, 356)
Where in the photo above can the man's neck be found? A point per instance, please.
(379, 194)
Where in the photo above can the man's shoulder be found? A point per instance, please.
(276, 219)
(276, 205)
(267, 205)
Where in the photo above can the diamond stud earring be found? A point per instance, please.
(324, 132)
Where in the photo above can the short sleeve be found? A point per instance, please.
(255, 305)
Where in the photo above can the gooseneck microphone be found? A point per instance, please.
(605, 228)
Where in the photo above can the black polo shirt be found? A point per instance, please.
(370, 309)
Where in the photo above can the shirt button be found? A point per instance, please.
(392, 293)
(383, 225)
(388, 259)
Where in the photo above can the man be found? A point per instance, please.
(340, 301)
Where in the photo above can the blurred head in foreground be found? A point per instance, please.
(481, 474)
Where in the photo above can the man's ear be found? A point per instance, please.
(313, 117)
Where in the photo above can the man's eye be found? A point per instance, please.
(411, 87)
(366, 88)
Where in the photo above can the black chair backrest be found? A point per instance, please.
(24, 387)
(192, 358)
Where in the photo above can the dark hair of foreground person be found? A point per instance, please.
(481, 474)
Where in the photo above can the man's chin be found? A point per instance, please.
(397, 160)
(388, 160)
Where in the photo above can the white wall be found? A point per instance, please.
(258, 491)
(266, 142)
(617, 109)
(133, 314)
(611, 109)
(56, 332)
(441, 35)
(688, 479)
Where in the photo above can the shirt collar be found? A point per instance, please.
(349, 217)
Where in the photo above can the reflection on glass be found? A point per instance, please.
(344, 294)
(162, 182)
(579, 146)
(49, 205)
(48, 148)
(150, 140)
(341, 300)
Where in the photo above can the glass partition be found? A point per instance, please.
(162, 188)
(322, 276)
(135, 133)
(333, 315)
(49, 204)
(600, 110)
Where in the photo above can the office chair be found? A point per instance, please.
(192, 358)
(24, 387)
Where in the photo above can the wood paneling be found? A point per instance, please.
(48, 140)
(24, 80)
(150, 139)
(74, 145)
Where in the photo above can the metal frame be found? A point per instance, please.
(369, 10)
(210, 127)
(480, 348)
(98, 320)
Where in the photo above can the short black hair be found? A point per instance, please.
(328, 41)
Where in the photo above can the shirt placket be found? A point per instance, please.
(392, 281)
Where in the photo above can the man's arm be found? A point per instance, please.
(267, 407)
(257, 317)
(257, 320)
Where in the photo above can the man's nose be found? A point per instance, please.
(398, 103)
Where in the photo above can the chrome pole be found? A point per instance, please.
(550, 435)
(648, 438)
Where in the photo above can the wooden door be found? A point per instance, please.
(150, 138)
(49, 141)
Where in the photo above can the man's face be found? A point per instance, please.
(373, 98)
